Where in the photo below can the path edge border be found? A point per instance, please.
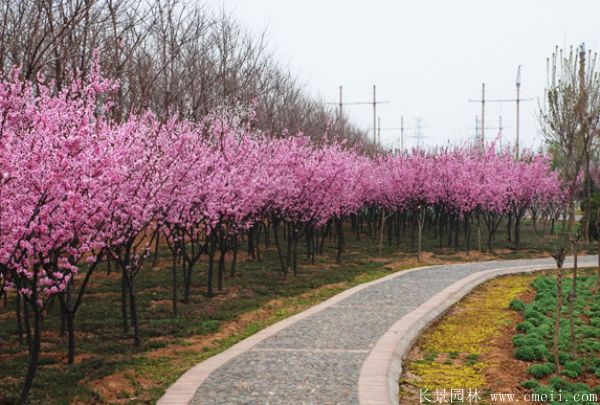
(380, 373)
(183, 389)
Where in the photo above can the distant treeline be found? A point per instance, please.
(169, 56)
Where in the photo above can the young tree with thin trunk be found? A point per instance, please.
(570, 115)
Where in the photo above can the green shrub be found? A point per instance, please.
(590, 331)
(517, 305)
(525, 327)
(527, 340)
(541, 370)
(572, 369)
(589, 345)
(531, 353)
(563, 357)
(544, 390)
(533, 316)
(545, 303)
(530, 384)
(569, 373)
(544, 329)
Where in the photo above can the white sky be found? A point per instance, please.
(427, 57)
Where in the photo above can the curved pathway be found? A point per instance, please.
(346, 350)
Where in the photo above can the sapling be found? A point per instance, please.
(559, 255)
(572, 297)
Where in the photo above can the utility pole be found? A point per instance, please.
(374, 103)
(374, 114)
(482, 116)
(341, 103)
(482, 101)
(518, 101)
(500, 127)
(401, 128)
(402, 133)
(379, 130)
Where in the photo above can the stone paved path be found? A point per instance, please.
(317, 360)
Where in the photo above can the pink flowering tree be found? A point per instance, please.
(52, 167)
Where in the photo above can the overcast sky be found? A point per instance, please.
(427, 57)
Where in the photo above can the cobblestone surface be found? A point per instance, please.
(318, 359)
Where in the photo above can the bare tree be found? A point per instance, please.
(570, 116)
(168, 56)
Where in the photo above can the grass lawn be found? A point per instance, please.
(109, 369)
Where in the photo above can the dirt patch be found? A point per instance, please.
(122, 387)
(428, 259)
(7, 315)
(500, 358)
(160, 303)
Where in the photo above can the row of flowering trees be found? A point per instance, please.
(78, 189)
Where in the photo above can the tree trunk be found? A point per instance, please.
(156, 243)
(572, 299)
(557, 321)
(381, 232)
(278, 246)
(188, 267)
(456, 232)
(509, 227)
(257, 240)
(174, 282)
(518, 217)
(133, 311)
(27, 327)
(313, 242)
(295, 237)
(20, 322)
(341, 241)
(251, 250)
(221, 273)
(479, 247)
(211, 265)
(324, 233)
(421, 221)
(34, 354)
(70, 318)
(124, 314)
(288, 252)
(234, 258)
